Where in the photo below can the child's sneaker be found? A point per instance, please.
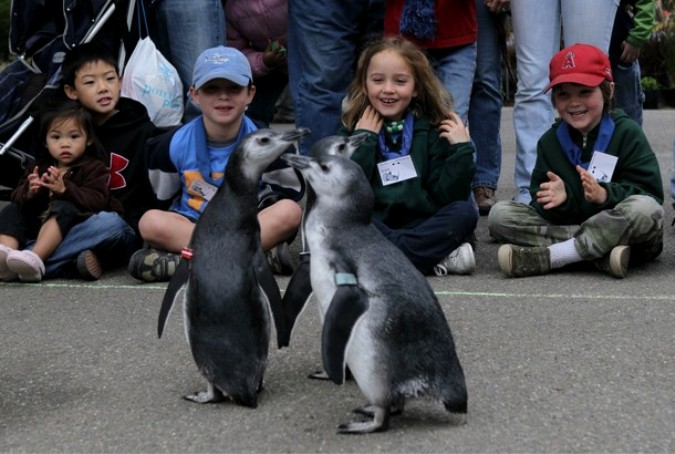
(27, 265)
(6, 274)
(460, 261)
(88, 266)
(518, 261)
(152, 265)
(616, 262)
(279, 259)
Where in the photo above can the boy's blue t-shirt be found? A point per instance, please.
(195, 160)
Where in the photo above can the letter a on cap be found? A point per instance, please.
(569, 61)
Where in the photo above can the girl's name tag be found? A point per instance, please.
(396, 170)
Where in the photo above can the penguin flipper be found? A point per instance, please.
(270, 290)
(298, 292)
(349, 303)
(177, 282)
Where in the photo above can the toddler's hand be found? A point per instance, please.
(454, 130)
(53, 180)
(593, 192)
(370, 120)
(34, 183)
(552, 193)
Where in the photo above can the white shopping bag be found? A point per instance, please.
(150, 79)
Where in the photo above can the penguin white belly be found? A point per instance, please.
(364, 364)
(322, 275)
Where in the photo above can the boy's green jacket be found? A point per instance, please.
(636, 173)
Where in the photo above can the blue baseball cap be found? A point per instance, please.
(222, 63)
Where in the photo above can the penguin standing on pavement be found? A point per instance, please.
(230, 288)
(299, 288)
(381, 317)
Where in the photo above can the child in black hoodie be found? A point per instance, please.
(122, 126)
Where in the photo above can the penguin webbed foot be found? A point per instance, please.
(379, 423)
(395, 409)
(322, 375)
(211, 396)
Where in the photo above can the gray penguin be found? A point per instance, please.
(230, 288)
(381, 317)
(299, 288)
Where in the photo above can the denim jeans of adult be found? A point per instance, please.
(324, 38)
(431, 241)
(485, 106)
(182, 29)
(628, 93)
(536, 33)
(104, 232)
(268, 88)
(455, 68)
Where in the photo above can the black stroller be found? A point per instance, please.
(40, 34)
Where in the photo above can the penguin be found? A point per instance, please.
(382, 319)
(299, 288)
(230, 289)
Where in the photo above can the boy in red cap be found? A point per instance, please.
(596, 186)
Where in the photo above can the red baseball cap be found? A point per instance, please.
(579, 64)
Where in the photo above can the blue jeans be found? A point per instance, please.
(105, 232)
(536, 33)
(183, 29)
(324, 37)
(628, 93)
(455, 68)
(431, 241)
(485, 108)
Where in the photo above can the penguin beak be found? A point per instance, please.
(358, 139)
(296, 161)
(295, 134)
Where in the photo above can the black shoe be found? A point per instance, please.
(87, 265)
(279, 259)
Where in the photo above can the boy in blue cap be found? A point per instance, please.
(187, 166)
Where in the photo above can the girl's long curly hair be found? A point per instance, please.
(432, 100)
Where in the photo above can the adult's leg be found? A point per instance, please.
(485, 107)
(589, 22)
(536, 34)
(323, 42)
(182, 30)
(455, 68)
(628, 89)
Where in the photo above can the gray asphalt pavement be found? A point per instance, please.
(574, 361)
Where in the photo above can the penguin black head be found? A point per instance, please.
(260, 148)
(338, 182)
(338, 145)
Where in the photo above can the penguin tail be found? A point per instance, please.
(249, 400)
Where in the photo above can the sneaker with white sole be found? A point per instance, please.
(520, 261)
(6, 275)
(27, 265)
(616, 262)
(153, 265)
(460, 261)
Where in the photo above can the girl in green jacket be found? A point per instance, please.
(418, 156)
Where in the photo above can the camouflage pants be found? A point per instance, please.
(637, 221)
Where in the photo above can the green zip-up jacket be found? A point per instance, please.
(636, 172)
(444, 174)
